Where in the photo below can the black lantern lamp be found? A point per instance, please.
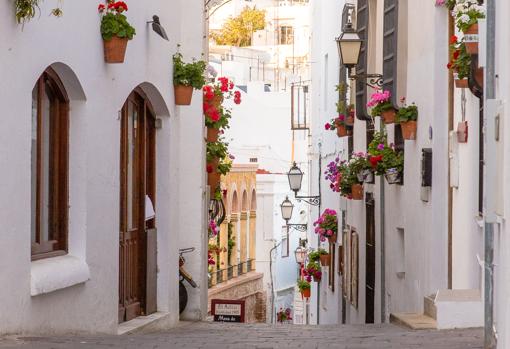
(287, 207)
(295, 176)
(158, 28)
(349, 49)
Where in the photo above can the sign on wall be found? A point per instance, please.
(224, 310)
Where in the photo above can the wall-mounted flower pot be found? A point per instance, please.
(349, 121)
(392, 176)
(325, 259)
(332, 239)
(213, 176)
(388, 116)
(471, 39)
(461, 83)
(316, 279)
(115, 49)
(183, 94)
(306, 293)
(462, 132)
(212, 134)
(217, 101)
(368, 176)
(341, 130)
(357, 192)
(409, 130)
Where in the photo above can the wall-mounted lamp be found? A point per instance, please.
(287, 207)
(349, 49)
(158, 28)
(295, 176)
(301, 251)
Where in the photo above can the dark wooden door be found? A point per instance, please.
(137, 184)
(370, 260)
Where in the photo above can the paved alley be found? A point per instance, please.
(214, 335)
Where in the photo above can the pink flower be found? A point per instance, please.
(327, 126)
(380, 146)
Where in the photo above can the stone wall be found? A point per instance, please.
(248, 287)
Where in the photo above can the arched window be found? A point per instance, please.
(49, 161)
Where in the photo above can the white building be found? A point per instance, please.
(67, 277)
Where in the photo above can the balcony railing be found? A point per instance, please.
(231, 272)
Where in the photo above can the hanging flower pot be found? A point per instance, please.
(409, 129)
(360, 177)
(368, 176)
(332, 239)
(357, 192)
(388, 116)
(471, 39)
(217, 101)
(325, 259)
(349, 121)
(213, 176)
(212, 134)
(392, 176)
(317, 278)
(341, 130)
(115, 49)
(478, 75)
(306, 293)
(183, 94)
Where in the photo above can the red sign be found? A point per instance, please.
(225, 310)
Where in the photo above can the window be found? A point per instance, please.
(49, 162)
(362, 24)
(286, 35)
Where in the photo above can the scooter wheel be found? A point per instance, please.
(183, 297)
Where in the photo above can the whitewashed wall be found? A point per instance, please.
(75, 41)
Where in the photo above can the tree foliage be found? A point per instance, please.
(237, 31)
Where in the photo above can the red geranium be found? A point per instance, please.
(374, 160)
(453, 39)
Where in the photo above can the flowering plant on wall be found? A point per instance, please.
(313, 270)
(447, 3)
(113, 21)
(283, 315)
(467, 13)
(327, 224)
(359, 166)
(460, 60)
(212, 229)
(380, 102)
(333, 174)
(385, 159)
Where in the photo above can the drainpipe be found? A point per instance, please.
(383, 250)
(490, 217)
(272, 283)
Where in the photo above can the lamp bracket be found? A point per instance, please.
(372, 80)
(298, 227)
(311, 200)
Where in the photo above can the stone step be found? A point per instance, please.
(459, 308)
(413, 321)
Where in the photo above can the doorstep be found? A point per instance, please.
(142, 323)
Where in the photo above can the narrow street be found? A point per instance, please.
(214, 335)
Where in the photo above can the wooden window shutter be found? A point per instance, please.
(390, 46)
(362, 20)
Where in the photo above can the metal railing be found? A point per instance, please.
(231, 272)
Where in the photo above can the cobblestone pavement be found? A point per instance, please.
(214, 335)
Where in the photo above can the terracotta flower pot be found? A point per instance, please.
(357, 192)
(341, 130)
(478, 75)
(115, 49)
(306, 293)
(461, 83)
(316, 279)
(325, 259)
(332, 239)
(349, 121)
(217, 101)
(388, 116)
(409, 130)
(471, 39)
(213, 177)
(212, 134)
(183, 94)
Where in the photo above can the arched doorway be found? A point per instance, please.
(137, 240)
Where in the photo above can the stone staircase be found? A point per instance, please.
(447, 309)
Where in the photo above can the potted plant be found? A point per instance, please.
(340, 125)
(381, 104)
(327, 225)
(305, 288)
(217, 117)
(115, 30)
(460, 62)
(350, 186)
(284, 315)
(187, 76)
(385, 160)
(466, 14)
(216, 153)
(332, 174)
(407, 116)
(212, 229)
(320, 255)
(360, 166)
(313, 270)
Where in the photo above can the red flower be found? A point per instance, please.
(449, 65)
(374, 160)
(214, 115)
(453, 39)
(120, 6)
(327, 126)
(456, 54)
(237, 97)
(231, 85)
(209, 169)
(101, 8)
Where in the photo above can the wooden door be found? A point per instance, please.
(137, 181)
(370, 260)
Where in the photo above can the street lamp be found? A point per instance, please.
(349, 49)
(295, 176)
(300, 252)
(287, 207)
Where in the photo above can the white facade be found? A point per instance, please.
(79, 292)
